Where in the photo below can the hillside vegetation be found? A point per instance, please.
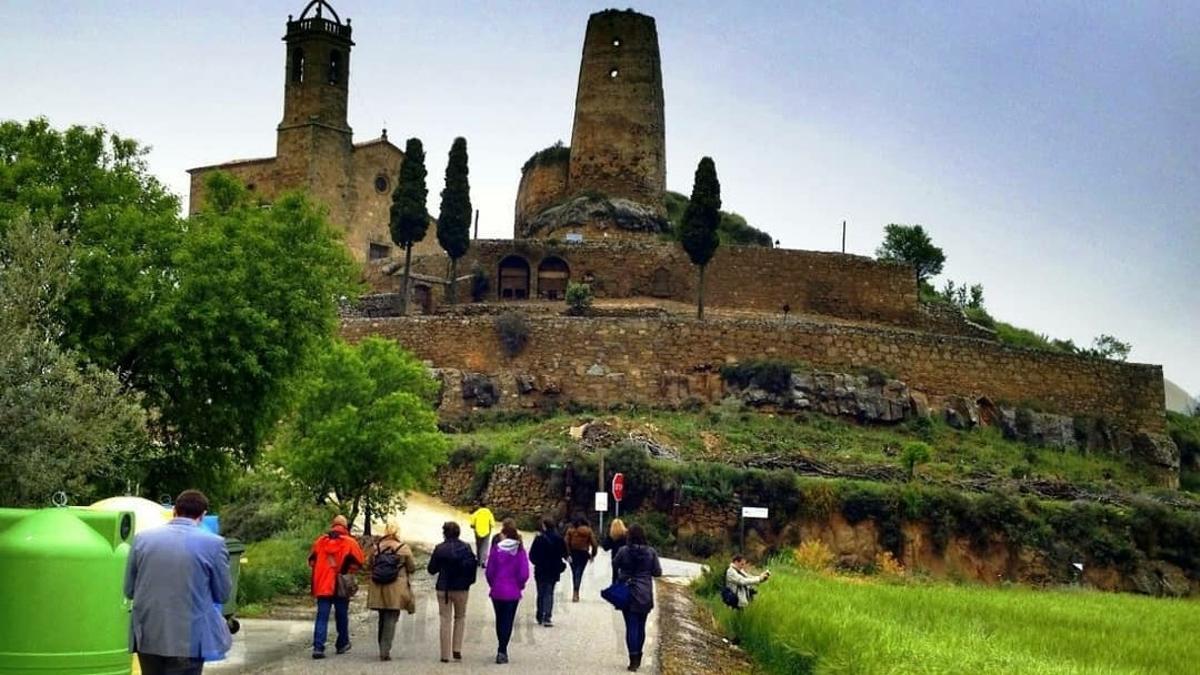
(733, 228)
(814, 444)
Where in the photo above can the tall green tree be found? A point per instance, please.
(364, 427)
(208, 319)
(64, 423)
(911, 244)
(454, 216)
(698, 230)
(409, 216)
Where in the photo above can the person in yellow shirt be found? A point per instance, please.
(482, 522)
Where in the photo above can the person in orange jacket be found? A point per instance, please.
(333, 553)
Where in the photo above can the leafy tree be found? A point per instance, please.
(698, 231)
(454, 217)
(364, 428)
(914, 454)
(206, 318)
(1108, 347)
(409, 216)
(64, 424)
(910, 244)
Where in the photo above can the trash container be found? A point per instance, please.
(235, 549)
(61, 577)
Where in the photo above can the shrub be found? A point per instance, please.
(914, 454)
(886, 565)
(579, 299)
(274, 567)
(813, 555)
(701, 544)
(658, 529)
(513, 330)
(772, 376)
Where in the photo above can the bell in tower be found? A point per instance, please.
(318, 70)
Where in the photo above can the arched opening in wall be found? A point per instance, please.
(298, 65)
(335, 66)
(660, 283)
(423, 298)
(553, 275)
(514, 278)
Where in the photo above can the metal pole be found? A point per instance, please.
(600, 488)
(843, 236)
(477, 225)
(742, 545)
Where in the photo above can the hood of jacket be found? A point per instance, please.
(509, 546)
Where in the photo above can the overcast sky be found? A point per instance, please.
(1052, 149)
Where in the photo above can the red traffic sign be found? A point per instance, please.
(618, 487)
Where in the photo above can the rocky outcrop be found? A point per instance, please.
(1160, 453)
(479, 389)
(867, 398)
(516, 490)
(595, 214)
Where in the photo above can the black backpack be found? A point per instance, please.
(386, 568)
(729, 597)
(467, 566)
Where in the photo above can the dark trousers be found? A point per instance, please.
(506, 616)
(635, 631)
(388, 618)
(341, 617)
(545, 599)
(579, 562)
(481, 550)
(153, 664)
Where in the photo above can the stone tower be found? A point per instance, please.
(314, 141)
(618, 139)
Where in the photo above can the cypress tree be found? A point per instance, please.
(409, 218)
(698, 231)
(454, 216)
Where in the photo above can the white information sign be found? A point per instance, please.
(754, 512)
(602, 501)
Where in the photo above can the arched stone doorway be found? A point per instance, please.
(660, 283)
(423, 298)
(514, 278)
(552, 277)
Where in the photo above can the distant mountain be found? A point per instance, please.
(1178, 399)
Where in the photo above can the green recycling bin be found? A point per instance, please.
(62, 574)
(229, 609)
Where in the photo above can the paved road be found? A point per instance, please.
(588, 637)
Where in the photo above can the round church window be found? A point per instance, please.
(381, 183)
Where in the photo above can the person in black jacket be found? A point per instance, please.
(455, 565)
(547, 555)
(637, 565)
(613, 542)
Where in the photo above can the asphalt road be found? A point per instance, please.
(587, 637)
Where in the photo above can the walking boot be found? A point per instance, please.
(635, 662)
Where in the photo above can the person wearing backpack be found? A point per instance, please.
(391, 565)
(581, 547)
(456, 567)
(507, 574)
(739, 585)
(547, 554)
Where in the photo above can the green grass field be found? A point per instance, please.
(804, 622)
(721, 435)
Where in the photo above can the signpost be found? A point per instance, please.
(601, 506)
(760, 512)
(618, 491)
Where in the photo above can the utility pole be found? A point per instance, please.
(477, 225)
(843, 236)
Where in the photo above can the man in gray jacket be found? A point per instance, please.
(176, 575)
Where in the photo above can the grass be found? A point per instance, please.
(274, 567)
(805, 622)
(724, 435)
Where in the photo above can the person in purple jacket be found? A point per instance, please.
(507, 572)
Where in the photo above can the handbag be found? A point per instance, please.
(618, 595)
(345, 586)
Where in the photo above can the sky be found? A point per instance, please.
(1051, 149)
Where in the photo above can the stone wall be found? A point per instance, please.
(742, 277)
(542, 184)
(663, 361)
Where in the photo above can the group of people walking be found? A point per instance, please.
(507, 563)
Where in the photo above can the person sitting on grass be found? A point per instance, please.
(742, 583)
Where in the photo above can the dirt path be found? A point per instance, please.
(587, 637)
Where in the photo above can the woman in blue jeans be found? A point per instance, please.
(637, 565)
